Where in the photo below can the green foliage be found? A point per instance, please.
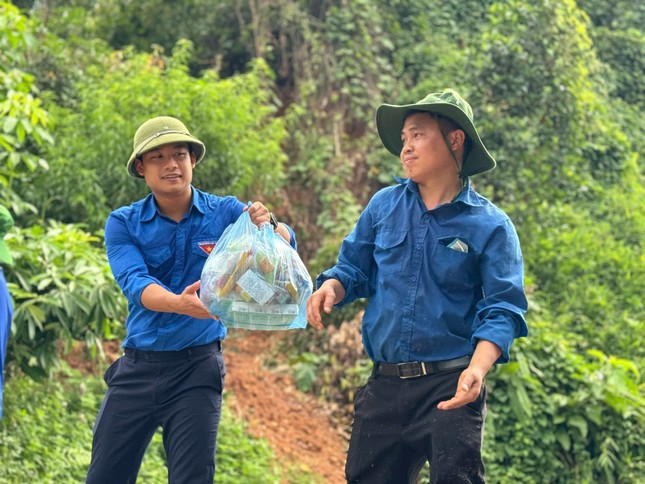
(46, 430)
(240, 458)
(590, 267)
(539, 106)
(617, 15)
(63, 290)
(559, 416)
(23, 121)
(46, 437)
(624, 51)
(359, 67)
(430, 40)
(557, 90)
(306, 368)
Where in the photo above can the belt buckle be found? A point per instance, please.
(413, 369)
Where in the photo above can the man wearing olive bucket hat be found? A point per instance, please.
(172, 371)
(442, 268)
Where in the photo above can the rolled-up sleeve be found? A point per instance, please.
(500, 313)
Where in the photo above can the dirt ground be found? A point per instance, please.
(298, 427)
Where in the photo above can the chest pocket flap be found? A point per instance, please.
(390, 251)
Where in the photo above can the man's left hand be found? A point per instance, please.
(468, 389)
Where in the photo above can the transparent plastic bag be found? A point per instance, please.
(254, 279)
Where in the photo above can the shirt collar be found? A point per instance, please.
(149, 209)
(467, 194)
(198, 200)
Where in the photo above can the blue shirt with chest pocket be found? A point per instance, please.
(145, 247)
(438, 281)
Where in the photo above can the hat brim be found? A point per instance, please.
(163, 139)
(390, 119)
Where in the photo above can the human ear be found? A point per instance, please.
(138, 165)
(457, 139)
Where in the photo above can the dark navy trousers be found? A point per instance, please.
(398, 427)
(179, 391)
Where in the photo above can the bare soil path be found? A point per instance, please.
(297, 426)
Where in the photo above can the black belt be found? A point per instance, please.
(414, 369)
(185, 354)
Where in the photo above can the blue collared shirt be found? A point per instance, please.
(144, 247)
(437, 280)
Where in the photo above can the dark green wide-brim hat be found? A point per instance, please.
(449, 104)
(160, 131)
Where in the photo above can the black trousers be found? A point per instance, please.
(398, 427)
(179, 391)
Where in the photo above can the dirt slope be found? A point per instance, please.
(297, 426)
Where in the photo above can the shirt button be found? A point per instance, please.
(413, 278)
(419, 247)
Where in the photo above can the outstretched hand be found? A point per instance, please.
(468, 389)
(191, 305)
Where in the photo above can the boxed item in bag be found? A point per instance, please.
(254, 279)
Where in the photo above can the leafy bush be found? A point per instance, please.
(63, 290)
(560, 416)
(46, 431)
(24, 124)
(589, 267)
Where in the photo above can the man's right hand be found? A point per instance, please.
(157, 298)
(192, 305)
(331, 292)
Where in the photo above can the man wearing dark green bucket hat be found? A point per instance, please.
(442, 269)
(172, 372)
(6, 305)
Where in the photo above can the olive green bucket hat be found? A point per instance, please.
(160, 131)
(449, 104)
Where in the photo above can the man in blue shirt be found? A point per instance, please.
(442, 268)
(172, 371)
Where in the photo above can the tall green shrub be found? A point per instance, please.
(24, 123)
(557, 415)
(589, 268)
(63, 291)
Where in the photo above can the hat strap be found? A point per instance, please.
(452, 154)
